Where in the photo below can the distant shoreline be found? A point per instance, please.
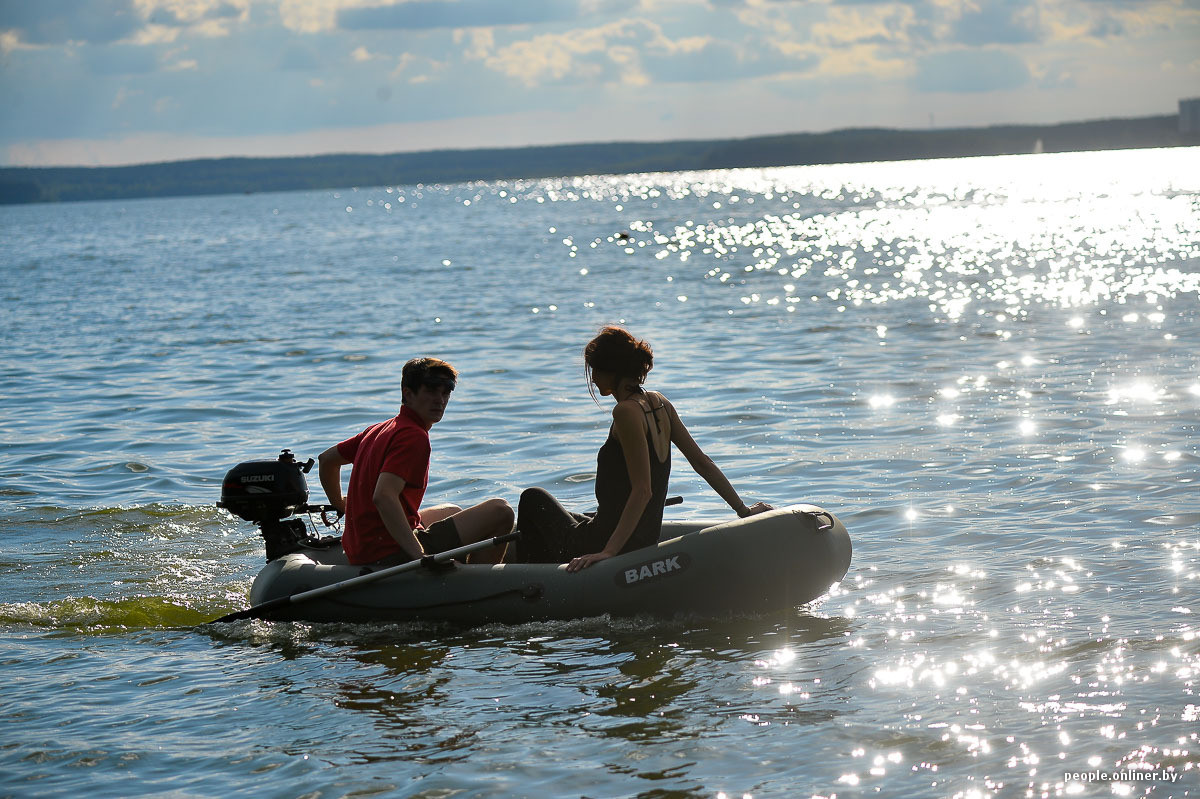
(250, 175)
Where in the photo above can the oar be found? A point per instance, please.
(336, 588)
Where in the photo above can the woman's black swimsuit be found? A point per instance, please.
(552, 534)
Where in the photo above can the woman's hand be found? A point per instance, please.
(583, 561)
(756, 508)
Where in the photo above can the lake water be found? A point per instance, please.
(986, 367)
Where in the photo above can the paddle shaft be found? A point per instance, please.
(354, 582)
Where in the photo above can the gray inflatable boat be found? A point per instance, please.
(775, 560)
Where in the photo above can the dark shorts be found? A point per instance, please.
(437, 537)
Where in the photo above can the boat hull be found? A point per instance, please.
(775, 560)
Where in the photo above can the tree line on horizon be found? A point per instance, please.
(250, 175)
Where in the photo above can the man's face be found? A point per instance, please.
(430, 400)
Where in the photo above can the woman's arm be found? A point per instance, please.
(706, 468)
(627, 420)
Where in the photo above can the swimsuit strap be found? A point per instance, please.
(653, 412)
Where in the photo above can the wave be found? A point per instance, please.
(92, 615)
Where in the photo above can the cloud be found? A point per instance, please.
(979, 23)
(714, 60)
(62, 21)
(867, 40)
(1116, 18)
(865, 25)
(1107, 27)
(57, 22)
(862, 60)
(998, 22)
(578, 55)
(428, 14)
(182, 13)
(970, 71)
(224, 10)
(636, 52)
(416, 69)
(123, 94)
(480, 42)
(1055, 76)
(308, 16)
(9, 41)
(155, 34)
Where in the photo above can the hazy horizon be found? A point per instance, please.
(585, 143)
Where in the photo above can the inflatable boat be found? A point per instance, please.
(774, 560)
(770, 561)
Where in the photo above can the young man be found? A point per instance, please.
(384, 523)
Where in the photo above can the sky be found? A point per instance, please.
(104, 82)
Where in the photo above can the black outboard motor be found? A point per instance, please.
(267, 493)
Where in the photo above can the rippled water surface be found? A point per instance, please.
(986, 367)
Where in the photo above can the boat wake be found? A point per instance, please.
(88, 614)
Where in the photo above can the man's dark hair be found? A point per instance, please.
(418, 371)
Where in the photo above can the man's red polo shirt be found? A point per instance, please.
(399, 446)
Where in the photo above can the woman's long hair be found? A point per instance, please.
(616, 350)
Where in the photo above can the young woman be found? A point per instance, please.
(631, 468)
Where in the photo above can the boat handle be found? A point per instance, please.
(822, 514)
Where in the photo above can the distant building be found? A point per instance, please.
(1189, 115)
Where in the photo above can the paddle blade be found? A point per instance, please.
(256, 612)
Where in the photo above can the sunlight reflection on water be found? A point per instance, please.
(1022, 232)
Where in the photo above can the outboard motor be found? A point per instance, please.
(267, 493)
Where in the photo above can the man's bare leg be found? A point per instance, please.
(432, 515)
(488, 519)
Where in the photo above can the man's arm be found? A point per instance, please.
(387, 502)
(330, 472)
